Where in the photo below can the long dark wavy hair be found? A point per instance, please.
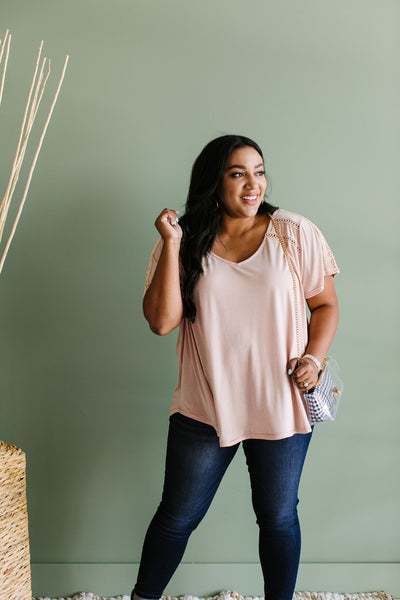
(202, 218)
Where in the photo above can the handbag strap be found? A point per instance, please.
(294, 280)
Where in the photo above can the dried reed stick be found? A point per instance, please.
(7, 40)
(24, 137)
(32, 106)
(22, 144)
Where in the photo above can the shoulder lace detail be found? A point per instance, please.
(330, 265)
(287, 220)
(292, 226)
(291, 240)
(288, 240)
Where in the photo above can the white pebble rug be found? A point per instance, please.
(236, 596)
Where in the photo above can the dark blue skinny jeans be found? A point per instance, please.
(195, 465)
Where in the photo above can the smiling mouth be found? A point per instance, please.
(250, 199)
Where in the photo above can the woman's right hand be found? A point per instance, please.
(162, 303)
(167, 225)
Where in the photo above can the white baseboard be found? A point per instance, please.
(56, 580)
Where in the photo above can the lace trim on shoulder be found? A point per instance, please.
(330, 265)
(288, 240)
(329, 262)
(288, 220)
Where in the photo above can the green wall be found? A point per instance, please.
(86, 387)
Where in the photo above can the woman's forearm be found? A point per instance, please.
(162, 303)
(323, 324)
(324, 319)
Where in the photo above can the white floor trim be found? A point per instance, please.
(225, 595)
(55, 580)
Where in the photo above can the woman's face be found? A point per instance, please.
(243, 183)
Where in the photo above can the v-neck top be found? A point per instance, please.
(242, 262)
(233, 360)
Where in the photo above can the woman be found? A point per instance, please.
(222, 276)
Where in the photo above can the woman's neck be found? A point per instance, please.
(233, 227)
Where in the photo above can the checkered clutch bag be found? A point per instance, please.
(321, 401)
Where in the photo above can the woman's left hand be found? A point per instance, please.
(304, 373)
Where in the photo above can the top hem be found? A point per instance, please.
(262, 436)
(245, 436)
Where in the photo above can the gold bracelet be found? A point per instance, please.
(315, 360)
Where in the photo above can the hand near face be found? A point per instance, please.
(167, 225)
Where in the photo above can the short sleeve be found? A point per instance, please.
(154, 258)
(317, 259)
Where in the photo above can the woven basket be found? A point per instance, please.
(15, 571)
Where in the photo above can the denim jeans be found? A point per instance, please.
(195, 465)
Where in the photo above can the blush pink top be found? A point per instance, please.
(233, 359)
